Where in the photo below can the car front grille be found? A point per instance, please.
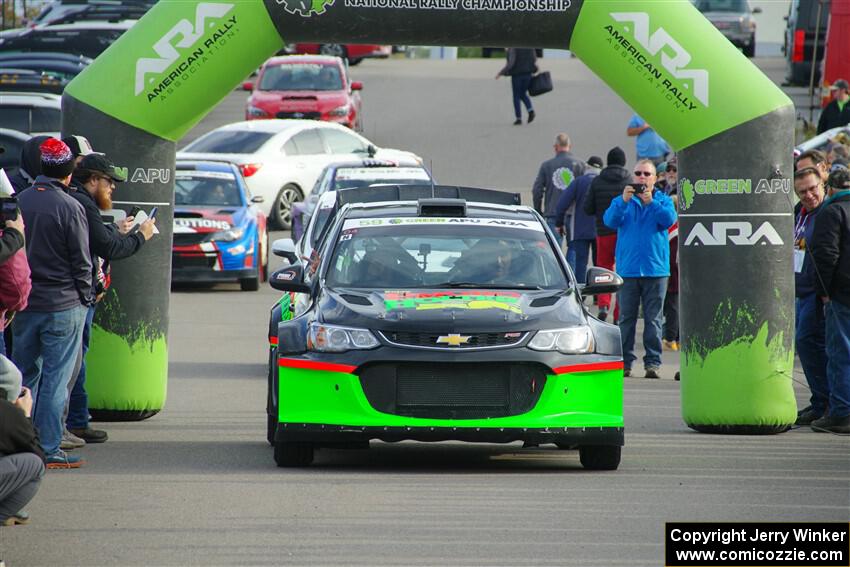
(180, 261)
(475, 340)
(304, 115)
(452, 391)
(190, 238)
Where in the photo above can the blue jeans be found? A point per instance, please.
(650, 292)
(578, 252)
(46, 349)
(810, 338)
(519, 89)
(78, 408)
(838, 355)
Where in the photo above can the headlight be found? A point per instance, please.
(256, 112)
(228, 235)
(330, 338)
(574, 340)
(340, 110)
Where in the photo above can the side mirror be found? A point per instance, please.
(290, 278)
(258, 199)
(356, 86)
(248, 86)
(371, 150)
(285, 248)
(757, 10)
(600, 280)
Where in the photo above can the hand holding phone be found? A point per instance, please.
(152, 213)
(134, 211)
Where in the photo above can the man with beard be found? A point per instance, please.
(93, 181)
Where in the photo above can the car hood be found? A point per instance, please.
(204, 219)
(299, 101)
(450, 310)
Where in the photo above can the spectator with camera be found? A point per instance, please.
(642, 217)
(94, 180)
(21, 457)
(830, 245)
(48, 333)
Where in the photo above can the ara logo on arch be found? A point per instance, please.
(734, 233)
(186, 34)
(674, 58)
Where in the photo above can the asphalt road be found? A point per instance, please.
(196, 484)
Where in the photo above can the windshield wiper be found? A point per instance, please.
(471, 285)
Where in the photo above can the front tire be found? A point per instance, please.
(750, 50)
(293, 454)
(282, 208)
(600, 457)
(250, 284)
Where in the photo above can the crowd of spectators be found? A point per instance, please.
(55, 254)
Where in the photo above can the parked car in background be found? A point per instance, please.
(354, 53)
(220, 233)
(281, 159)
(88, 39)
(31, 112)
(11, 144)
(734, 19)
(802, 26)
(67, 11)
(316, 87)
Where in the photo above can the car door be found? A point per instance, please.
(345, 145)
(312, 157)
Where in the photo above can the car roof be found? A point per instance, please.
(43, 100)
(277, 125)
(321, 59)
(411, 209)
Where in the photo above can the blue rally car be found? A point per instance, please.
(220, 234)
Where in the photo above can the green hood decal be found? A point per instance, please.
(673, 67)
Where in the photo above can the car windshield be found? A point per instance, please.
(206, 188)
(351, 177)
(301, 77)
(413, 252)
(736, 6)
(230, 142)
(30, 118)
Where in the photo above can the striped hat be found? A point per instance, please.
(57, 160)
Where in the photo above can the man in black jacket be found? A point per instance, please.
(30, 166)
(92, 184)
(521, 65)
(607, 186)
(48, 333)
(831, 250)
(837, 112)
(21, 458)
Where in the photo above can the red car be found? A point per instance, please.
(305, 86)
(355, 53)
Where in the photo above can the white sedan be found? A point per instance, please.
(281, 159)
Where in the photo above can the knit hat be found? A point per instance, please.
(80, 145)
(617, 156)
(57, 160)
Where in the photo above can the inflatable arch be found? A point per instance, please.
(733, 129)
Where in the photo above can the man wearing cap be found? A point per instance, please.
(94, 180)
(836, 113)
(608, 185)
(553, 177)
(79, 146)
(830, 245)
(48, 333)
(582, 229)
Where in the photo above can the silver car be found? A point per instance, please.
(734, 19)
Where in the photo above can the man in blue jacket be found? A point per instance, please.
(582, 229)
(641, 217)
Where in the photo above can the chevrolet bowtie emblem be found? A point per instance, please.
(453, 340)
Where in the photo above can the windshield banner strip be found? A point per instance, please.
(589, 367)
(313, 365)
(507, 223)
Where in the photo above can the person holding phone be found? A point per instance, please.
(95, 179)
(641, 217)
